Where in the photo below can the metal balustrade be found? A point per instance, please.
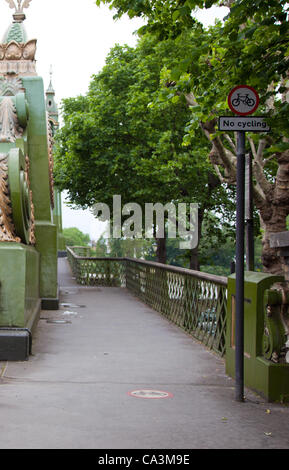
(195, 301)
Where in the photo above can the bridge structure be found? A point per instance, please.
(110, 372)
(30, 209)
(203, 305)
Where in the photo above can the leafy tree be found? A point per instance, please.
(113, 142)
(250, 46)
(131, 248)
(74, 237)
(99, 248)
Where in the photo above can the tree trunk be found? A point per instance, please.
(194, 255)
(271, 198)
(273, 220)
(194, 259)
(273, 212)
(161, 250)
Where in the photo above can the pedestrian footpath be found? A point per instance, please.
(108, 372)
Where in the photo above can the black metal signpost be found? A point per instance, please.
(243, 100)
(249, 222)
(240, 225)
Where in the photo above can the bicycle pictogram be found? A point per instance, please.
(244, 99)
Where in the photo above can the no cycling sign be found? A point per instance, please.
(243, 123)
(243, 100)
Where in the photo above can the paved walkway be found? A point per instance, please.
(73, 393)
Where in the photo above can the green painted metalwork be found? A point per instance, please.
(195, 301)
(52, 110)
(28, 236)
(22, 109)
(265, 366)
(19, 194)
(274, 335)
(20, 302)
(16, 33)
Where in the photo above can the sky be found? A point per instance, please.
(74, 37)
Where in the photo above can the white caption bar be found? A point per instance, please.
(238, 123)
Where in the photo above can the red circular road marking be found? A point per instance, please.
(150, 394)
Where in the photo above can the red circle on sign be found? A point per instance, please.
(234, 101)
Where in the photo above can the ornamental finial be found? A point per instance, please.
(19, 6)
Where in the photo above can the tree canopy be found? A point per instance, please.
(75, 237)
(114, 142)
(249, 47)
(112, 139)
(147, 128)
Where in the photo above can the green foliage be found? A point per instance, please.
(251, 45)
(218, 270)
(120, 247)
(133, 137)
(258, 253)
(114, 142)
(74, 237)
(99, 249)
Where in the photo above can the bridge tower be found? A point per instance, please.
(53, 117)
(28, 235)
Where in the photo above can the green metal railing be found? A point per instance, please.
(93, 271)
(195, 301)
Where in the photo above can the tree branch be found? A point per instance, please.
(264, 185)
(232, 145)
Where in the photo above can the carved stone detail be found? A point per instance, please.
(50, 159)
(11, 86)
(9, 126)
(7, 229)
(19, 6)
(18, 51)
(32, 239)
(25, 68)
(17, 58)
(16, 55)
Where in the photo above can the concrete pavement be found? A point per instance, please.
(103, 344)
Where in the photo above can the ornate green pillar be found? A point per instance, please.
(53, 117)
(28, 235)
(266, 369)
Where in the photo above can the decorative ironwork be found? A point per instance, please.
(195, 301)
(17, 222)
(50, 159)
(19, 6)
(10, 129)
(18, 51)
(17, 57)
(32, 238)
(96, 271)
(10, 86)
(7, 228)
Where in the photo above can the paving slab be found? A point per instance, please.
(102, 344)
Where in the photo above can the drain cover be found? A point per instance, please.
(68, 312)
(152, 394)
(58, 322)
(68, 305)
